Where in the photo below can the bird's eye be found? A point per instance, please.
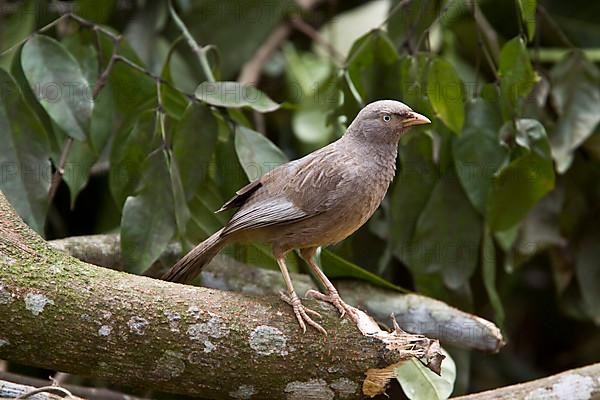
(387, 118)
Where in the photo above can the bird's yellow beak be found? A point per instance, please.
(415, 119)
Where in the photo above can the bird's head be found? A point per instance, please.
(384, 121)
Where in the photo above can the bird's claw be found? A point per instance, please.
(334, 298)
(301, 312)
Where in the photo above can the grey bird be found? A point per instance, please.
(317, 200)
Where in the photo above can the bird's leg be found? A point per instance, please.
(332, 295)
(293, 300)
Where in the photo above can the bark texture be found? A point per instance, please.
(576, 384)
(60, 313)
(414, 313)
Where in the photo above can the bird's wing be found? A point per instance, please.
(294, 191)
(241, 196)
(265, 213)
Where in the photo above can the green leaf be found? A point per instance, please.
(576, 97)
(211, 23)
(23, 156)
(478, 153)
(235, 95)
(412, 188)
(408, 21)
(446, 94)
(84, 154)
(588, 273)
(60, 86)
(129, 151)
(174, 102)
(488, 269)
(373, 66)
(313, 86)
(133, 90)
(204, 222)
(95, 11)
(194, 143)
(15, 27)
(517, 76)
(192, 153)
(147, 223)
(257, 154)
(420, 383)
(180, 205)
(519, 185)
(445, 241)
(527, 8)
(337, 267)
(230, 175)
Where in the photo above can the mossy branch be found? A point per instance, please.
(60, 313)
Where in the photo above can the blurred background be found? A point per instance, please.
(495, 206)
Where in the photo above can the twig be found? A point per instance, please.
(103, 78)
(250, 73)
(477, 17)
(100, 168)
(201, 52)
(411, 29)
(49, 389)
(60, 169)
(251, 70)
(58, 174)
(90, 393)
(316, 37)
(555, 26)
(155, 78)
(392, 12)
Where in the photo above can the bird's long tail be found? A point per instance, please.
(190, 265)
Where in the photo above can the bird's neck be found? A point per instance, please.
(378, 156)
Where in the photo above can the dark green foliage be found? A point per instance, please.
(503, 185)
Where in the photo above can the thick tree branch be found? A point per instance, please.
(580, 383)
(414, 313)
(59, 313)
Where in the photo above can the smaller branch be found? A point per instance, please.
(156, 78)
(413, 27)
(251, 70)
(479, 21)
(90, 393)
(103, 78)
(563, 36)
(9, 390)
(196, 48)
(100, 168)
(60, 169)
(584, 381)
(41, 30)
(46, 389)
(316, 37)
(393, 11)
(250, 73)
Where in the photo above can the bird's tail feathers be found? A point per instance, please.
(190, 265)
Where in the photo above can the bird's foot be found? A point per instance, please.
(301, 312)
(334, 298)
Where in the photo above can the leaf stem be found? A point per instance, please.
(196, 48)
